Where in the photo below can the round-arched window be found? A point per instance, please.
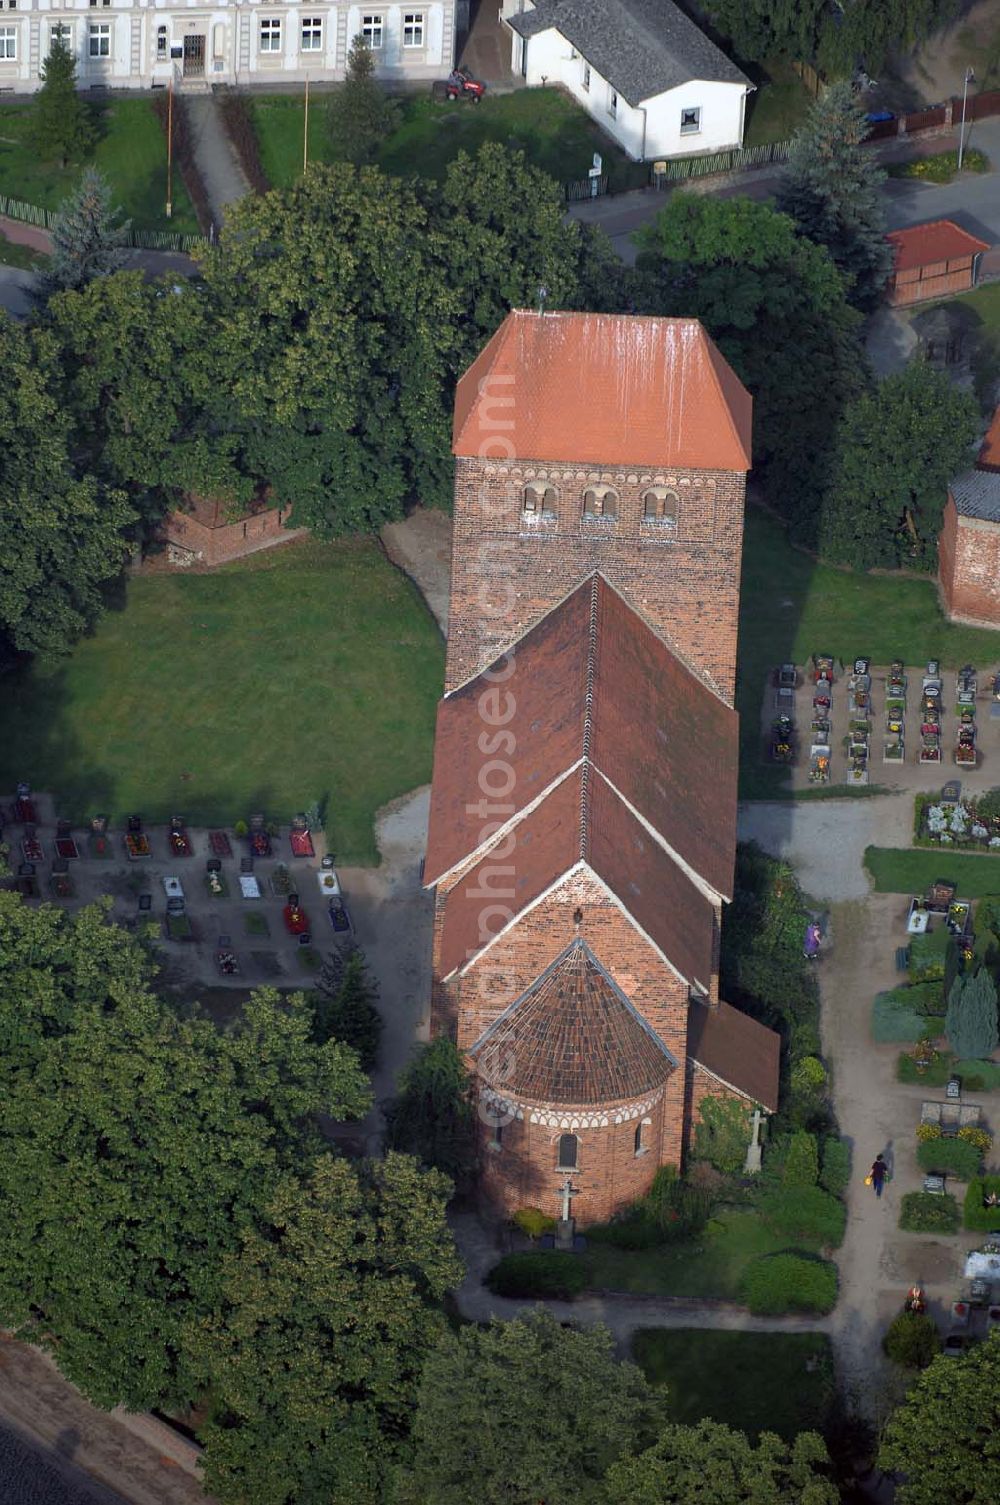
(538, 499)
(660, 505)
(569, 1149)
(600, 501)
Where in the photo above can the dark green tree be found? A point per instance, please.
(830, 190)
(63, 537)
(912, 1340)
(776, 305)
(524, 1411)
(897, 448)
(709, 1464)
(345, 1006)
(87, 239)
(329, 1309)
(758, 29)
(62, 127)
(361, 114)
(872, 30)
(136, 1147)
(971, 1019)
(722, 1134)
(432, 1116)
(942, 1440)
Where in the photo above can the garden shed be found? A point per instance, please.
(934, 260)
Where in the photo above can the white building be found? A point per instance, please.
(137, 44)
(641, 68)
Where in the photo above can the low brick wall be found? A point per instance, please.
(190, 540)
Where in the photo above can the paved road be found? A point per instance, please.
(30, 1477)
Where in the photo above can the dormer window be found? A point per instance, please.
(600, 501)
(660, 505)
(539, 500)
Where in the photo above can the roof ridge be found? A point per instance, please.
(588, 715)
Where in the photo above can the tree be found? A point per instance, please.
(136, 1146)
(830, 190)
(62, 128)
(87, 241)
(896, 450)
(432, 1115)
(709, 1464)
(361, 114)
(776, 306)
(759, 28)
(912, 1340)
(63, 537)
(722, 1133)
(315, 1353)
(873, 30)
(942, 1440)
(971, 1019)
(345, 1010)
(524, 1411)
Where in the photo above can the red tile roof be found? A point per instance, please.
(989, 454)
(938, 240)
(592, 677)
(737, 1050)
(607, 388)
(573, 1037)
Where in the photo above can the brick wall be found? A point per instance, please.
(508, 569)
(969, 567)
(189, 540)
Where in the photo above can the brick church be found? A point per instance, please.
(583, 812)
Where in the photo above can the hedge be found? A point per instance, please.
(835, 1175)
(928, 953)
(923, 1212)
(545, 1273)
(900, 1016)
(778, 1283)
(982, 1219)
(950, 1157)
(805, 1213)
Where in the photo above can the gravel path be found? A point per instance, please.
(825, 840)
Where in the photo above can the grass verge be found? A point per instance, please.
(307, 672)
(774, 1382)
(896, 870)
(940, 167)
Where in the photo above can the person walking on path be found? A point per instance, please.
(879, 1174)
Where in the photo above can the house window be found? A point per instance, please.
(691, 122)
(100, 39)
(600, 501)
(612, 104)
(312, 34)
(106, 4)
(568, 1149)
(539, 498)
(413, 28)
(371, 30)
(586, 77)
(659, 505)
(8, 44)
(161, 41)
(270, 34)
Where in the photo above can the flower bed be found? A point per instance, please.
(977, 1215)
(923, 1212)
(971, 824)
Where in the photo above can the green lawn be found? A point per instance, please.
(912, 871)
(14, 255)
(308, 672)
(130, 151)
(552, 131)
(777, 107)
(712, 1265)
(756, 1382)
(792, 607)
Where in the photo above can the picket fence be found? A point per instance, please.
(140, 240)
(740, 159)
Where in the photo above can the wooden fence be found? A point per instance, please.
(676, 169)
(140, 240)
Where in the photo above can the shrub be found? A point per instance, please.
(928, 953)
(927, 1132)
(978, 1076)
(240, 828)
(545, 1273)
(722, 1134)
(981, 1138)
(977, 1216)
(806, 1214)
(533, 1221)
(971, 1020)
(801, 1166)
(922, 1212)
(633, 1229)
(895, 1020)
(835, 1175)
(778, 1283)
(912, 1340)
(672, 1209)
(950, 1157)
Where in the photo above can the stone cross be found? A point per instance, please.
(568, 1190)
(752, 1163)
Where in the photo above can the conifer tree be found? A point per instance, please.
(345, 1007)
(971, 1020)
(829, 189)
(62, 127)
(361, 113)
(87, 240)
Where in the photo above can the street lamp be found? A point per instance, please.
(969, 78)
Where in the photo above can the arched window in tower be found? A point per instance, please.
(539, 500)
(660, 505)
(600, 501)
(569, 1147)
(639, 1146)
